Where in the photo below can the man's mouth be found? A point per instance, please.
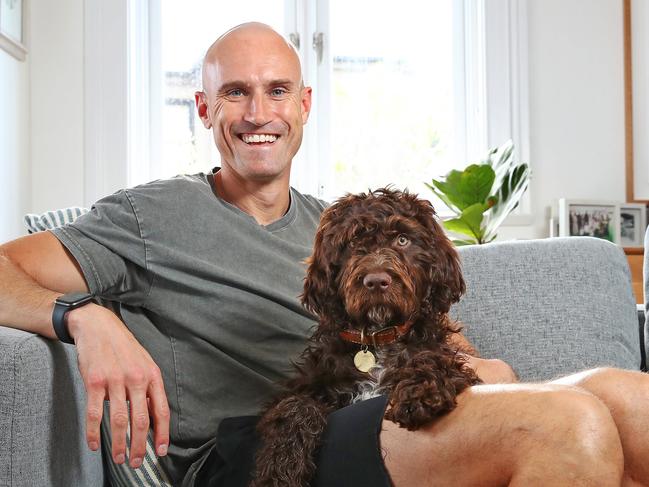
(251, 139)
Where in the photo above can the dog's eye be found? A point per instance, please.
(402, 240)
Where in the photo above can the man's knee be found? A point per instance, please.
(621, 390)
(576, 423)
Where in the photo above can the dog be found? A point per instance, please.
(381, 280)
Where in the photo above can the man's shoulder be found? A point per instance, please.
(179, 191)
(181, 182)
(309, 201)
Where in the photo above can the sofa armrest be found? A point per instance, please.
(42, 415)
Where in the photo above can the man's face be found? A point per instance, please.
(255, 105)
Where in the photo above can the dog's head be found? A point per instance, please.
(380, 259)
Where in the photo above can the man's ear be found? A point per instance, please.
(306, 103)
(202, 108)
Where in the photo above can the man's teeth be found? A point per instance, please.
(258, 138)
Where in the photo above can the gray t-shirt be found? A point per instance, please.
(211, 294)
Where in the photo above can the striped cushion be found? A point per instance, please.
(150, 473)
(52, 219)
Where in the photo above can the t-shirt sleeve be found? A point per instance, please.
(108, 246)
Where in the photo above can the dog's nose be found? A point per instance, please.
(377, 281)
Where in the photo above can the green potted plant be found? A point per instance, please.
(482, 195)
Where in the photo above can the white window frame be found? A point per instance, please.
(121, 130)
(105, 97)
(507, 78)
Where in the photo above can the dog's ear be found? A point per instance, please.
(319, 291)
(447, 283)
(446, 274)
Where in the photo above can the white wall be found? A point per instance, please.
(56, 128)
(576, 105)
(14, 145)
(576, 108)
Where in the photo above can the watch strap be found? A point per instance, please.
(58, 320)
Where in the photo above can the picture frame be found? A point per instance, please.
(592, 218)
(633, 223)
(13, 28)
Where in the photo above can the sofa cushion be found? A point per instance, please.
(550, 307)
(52, 219)
(151, 473)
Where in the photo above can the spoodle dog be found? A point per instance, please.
(381, 280)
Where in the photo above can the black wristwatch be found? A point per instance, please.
(62, 305)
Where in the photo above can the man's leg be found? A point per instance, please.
(513, 434)
(626, 394)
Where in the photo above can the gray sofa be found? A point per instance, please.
(547, 307)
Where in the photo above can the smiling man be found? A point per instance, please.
(206, 271)
(256, 103)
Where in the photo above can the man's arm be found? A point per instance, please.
(34, 271)
(491, 371)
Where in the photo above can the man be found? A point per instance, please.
(207, 270)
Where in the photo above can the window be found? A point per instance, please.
(402, 93)
(392, 112)
(391, 89)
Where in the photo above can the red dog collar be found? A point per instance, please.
(384, 336)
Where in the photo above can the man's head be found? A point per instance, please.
(254, 101)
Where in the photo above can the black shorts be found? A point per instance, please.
(350, 454)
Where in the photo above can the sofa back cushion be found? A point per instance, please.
(550, 307)
(52, 219)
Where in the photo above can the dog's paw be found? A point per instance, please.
(410, 416)
(414, 407)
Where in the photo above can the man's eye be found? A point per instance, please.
(402, 240)
(278, 92)
(236, 92)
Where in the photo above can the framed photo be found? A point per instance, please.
(588, 218)
(633, 223)
(12, 27)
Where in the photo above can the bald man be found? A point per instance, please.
(206, 270)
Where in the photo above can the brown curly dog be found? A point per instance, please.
(381, 280)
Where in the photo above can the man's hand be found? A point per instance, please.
(492, 371)
(115, 367)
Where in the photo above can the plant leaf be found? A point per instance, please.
(510, 193)
(462, 243)
(457, 225)
(469, 222)
(444, 198)
(468, 187)
(501, 159)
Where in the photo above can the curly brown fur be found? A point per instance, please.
(379, 259)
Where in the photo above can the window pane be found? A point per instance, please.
(188, 28)
(392, 114)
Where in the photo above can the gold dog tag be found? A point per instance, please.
(364, 360)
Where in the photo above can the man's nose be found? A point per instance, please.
(257, 111)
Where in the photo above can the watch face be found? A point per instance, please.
(74, 299)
